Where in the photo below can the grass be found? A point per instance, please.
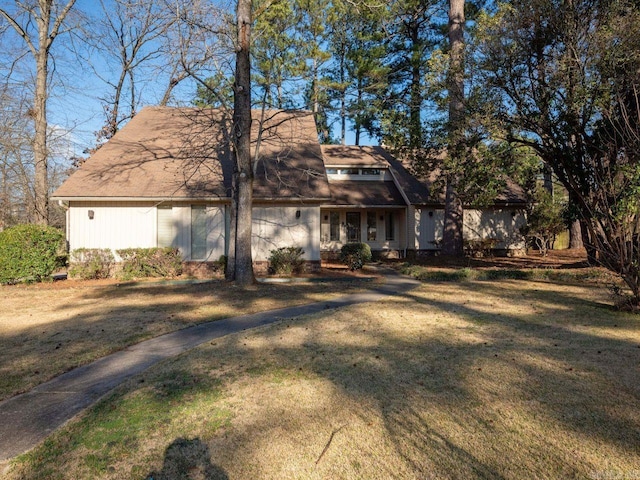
(73, 323)
(438, 274)
(475, 379)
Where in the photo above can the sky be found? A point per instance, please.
(75, 104)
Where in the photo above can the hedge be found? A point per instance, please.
(30, 253)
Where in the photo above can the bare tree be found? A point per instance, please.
(39, 24)
(129, 38)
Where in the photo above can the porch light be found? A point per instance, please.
(431, 214)
(91, 214)
(297, 213)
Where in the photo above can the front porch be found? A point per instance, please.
(382, 228)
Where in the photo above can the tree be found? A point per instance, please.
(38, 24)
(128, 36)
(276, 52)
(240, 264)
(452, 242)
(564, 80)
(544, 220)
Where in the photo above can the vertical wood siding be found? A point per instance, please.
(114, 225)
(277, 226)
(500, 224)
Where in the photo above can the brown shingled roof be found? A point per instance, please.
(416, 188)
(347, 155)
(179, 153)
(365, 193)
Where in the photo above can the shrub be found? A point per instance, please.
(91, 263)
(221, 263)
(286, 260)
(30, 253)
(355, 255)
(149, 262)
(544, 221)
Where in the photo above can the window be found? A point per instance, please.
(198, 232)
(389, 227)
(166, 234)
(370, 171)
(334, 226)
(349, 171)
(372, 226)
(332, 171)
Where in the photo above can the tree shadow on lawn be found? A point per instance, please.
(561, 396)
(98, 321)
(471, 394)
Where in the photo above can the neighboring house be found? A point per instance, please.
(165, 180)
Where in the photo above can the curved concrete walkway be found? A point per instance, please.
(27, 419)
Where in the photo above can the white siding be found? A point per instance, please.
(114, 225)
(118, 225)
(502, 225)
(277, 226)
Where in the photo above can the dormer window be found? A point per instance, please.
(354, 171)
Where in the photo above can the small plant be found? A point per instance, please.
(621, 300)
(30, 253)
(221, 263)
(480, 248)
(149, 262)
(286, 261)
(355, 255)
(544, 221)
(91, 263)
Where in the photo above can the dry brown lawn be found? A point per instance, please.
(48, 329)
(504, 379)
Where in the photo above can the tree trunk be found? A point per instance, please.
(415, 108)
(452, 243)
(40, 154)
(242, 137)
(575, 235)
(48, 29)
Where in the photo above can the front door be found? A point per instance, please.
(353, 226)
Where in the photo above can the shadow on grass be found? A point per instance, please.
(187, 459)
(478, 394)
(95, 322)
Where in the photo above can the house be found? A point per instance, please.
(165, 180)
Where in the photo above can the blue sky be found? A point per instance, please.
(75, 102)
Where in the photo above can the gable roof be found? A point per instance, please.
(415, 188)
(183, 153)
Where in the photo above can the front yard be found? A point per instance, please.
(48, 329)
(472, 379)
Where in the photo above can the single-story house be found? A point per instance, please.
(165, 180)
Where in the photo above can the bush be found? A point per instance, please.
(91, 263)
(30, 253)
(149, 262)
(286, 260)
(355, 255)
